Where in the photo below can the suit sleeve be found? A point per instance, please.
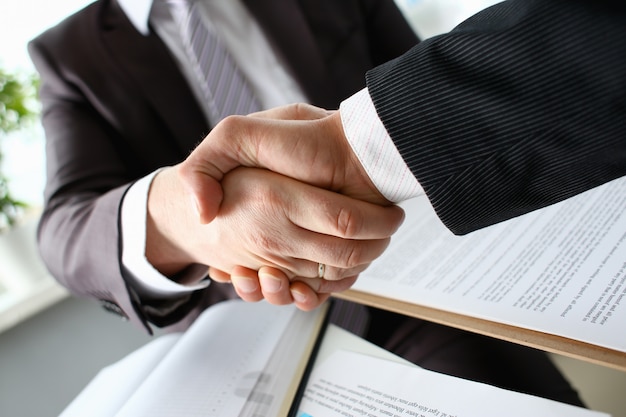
(85, 182)
(89, 168)
(519, 107)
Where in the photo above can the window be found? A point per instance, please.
(25, 286)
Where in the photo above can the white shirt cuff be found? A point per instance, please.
(148, 280)
(375, 149)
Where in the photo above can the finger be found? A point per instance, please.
(305, 269)
(218, 275)
(324, 286)
(274, 286)
(246, 283)
(337, 215)
(297, 111)
(341, 232)
(305, 298)
(295, 225)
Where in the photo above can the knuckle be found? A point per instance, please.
(298, 108)
(301, 109)
(230, 122)
(225, 127)
(266, 244)
(348, 224)
(353, 255)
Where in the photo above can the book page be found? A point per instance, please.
(216, 365)
(351, 384)
(560, 270)
(107, 392)
(336, 338)
(276, 390)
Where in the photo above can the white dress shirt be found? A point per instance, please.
(274, 86)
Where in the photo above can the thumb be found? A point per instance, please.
(204, 191)
(300, 149)
(201, 172)
(296, 111)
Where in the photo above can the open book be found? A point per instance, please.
(241, 359)
(237, 359)
(559, 272)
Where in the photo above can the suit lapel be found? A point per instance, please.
(146, 60)
(286, 26)
(150, 67)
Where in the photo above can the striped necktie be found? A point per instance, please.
(223, 86)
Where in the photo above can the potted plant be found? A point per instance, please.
(17, 110)
(25, 285)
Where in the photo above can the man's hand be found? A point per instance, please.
(274, 286)
(299, 141)
(272, 224)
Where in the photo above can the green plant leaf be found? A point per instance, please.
(17, 108)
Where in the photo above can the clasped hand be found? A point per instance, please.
(264, 199)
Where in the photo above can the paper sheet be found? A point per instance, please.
(107, 392)
(377, 387)
(560, 270)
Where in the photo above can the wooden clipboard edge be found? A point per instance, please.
(532, 338)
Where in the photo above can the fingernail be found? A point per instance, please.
(245, 284)
(195, 205)
(270, 283)
(298, 296)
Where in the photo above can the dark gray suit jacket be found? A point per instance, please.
(115, 108)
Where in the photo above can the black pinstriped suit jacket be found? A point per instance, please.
(519, 107)
(115, 107)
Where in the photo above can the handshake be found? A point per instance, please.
(277, 203)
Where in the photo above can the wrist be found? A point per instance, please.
(167, 222)
(359, 183)
(375, 151)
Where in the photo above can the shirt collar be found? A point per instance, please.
(138, 12)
